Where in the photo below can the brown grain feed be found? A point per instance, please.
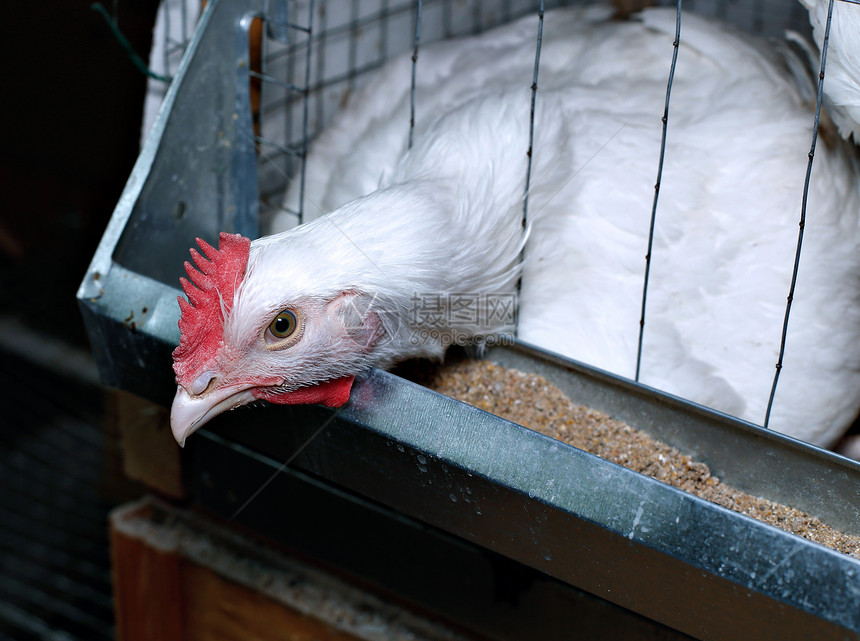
(532, 401)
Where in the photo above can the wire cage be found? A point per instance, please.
(259, 80)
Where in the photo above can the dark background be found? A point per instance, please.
(70, 115)
(71, 109)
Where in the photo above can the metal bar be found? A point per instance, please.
(280, 83)
(456, 581)
(802, 224)
(415, 43)
(587, 522)
(290, 151)
(345, 29)
(675, 44)
(534, 87)
(278, 20)
(306, 112)
(746, 456)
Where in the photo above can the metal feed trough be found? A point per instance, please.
(488, 524)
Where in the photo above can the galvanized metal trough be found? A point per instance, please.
(497, 528)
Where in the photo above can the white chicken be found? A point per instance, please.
(422, 248)
(843, 61)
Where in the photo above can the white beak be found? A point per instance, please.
(189, 412)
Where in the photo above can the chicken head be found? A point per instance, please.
(299, 351)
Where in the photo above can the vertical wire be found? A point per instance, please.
(287, 116)
(802, 223)
(262, 112)
(183, 12)
(529, 153)
(383, 31)
(264, 72)
(322, 53)
(675, 45)
(305, 110)
(354, 29)
(167, 44)
(414, 68)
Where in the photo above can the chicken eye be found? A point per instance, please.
(283, 330)
(284, 324)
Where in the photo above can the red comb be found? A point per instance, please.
(210, 292)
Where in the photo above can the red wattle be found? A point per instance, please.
(330, 393)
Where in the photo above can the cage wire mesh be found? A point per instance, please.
(305, 59)
(355, 37)
(315, 53)
(174, 28)
(337, 43)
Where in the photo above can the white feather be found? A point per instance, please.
(843, 61)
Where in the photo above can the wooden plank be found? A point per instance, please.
(147, 588)
(217, 609)
(161, 595)
(181, 577)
